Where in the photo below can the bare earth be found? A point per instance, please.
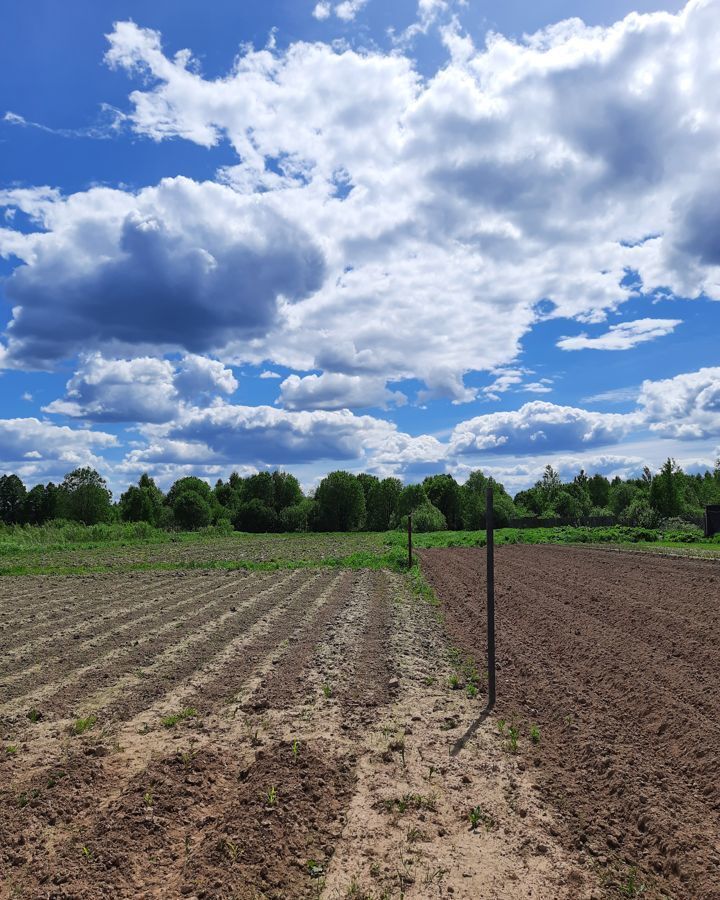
(318, 755)
(615, 657)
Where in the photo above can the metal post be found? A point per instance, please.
(409, 540)
(490, 578)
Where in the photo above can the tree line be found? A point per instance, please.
(274, 501)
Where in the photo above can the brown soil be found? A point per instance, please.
(615, 658)
(312, 758)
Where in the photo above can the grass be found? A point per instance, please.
(66, 548)
(172, 720)
(80, 726)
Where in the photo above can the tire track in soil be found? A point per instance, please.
(630, 750)
(116, 620)
(133, 654)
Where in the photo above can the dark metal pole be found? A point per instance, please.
(490, 578)
(409, 540)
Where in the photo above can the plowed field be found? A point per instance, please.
(616, 659)
(253, 735)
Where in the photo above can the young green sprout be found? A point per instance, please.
(535, 734)
(296, 748)
(272, 796)
(327, 691)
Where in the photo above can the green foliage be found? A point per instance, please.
(298, 517)
(444, 493)
(425, 518)
(255, 516)
(340, 503)
(84, 497)
(411, 497)
(381, 503)
(190, 509)
(143, 503)
(80, 726)
(12, 499)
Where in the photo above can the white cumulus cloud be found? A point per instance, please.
(624, 336)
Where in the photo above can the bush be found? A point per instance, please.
(425, 518)
(298, 517)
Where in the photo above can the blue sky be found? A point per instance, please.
(397, 237)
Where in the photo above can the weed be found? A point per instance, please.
(83, 725)
(271, 796)
(54, 778)
(414, 835)
(327, 690)
(230, 849)
(148, 799)
(501, 725)
(471, 691)
(631, 887)
(315, 868)
(410, 801)
(171, 721)
(454, 682)
(86, 852)
(535, 734)
(296, 748)
(375, 870)
(11, 749)
(478, 816)
(34, 715)
(429, 681)
(513, 735)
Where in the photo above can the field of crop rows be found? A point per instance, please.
(315, 733)
(250, 735)
(617, 659)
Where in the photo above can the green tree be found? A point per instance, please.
(382, 503)
(42, 504)
(411, 496)
(287, 490)
(142, 503)
(341, 502)
(254, 516)
(260, 487)
(299, 517)
(189, 483)
(191, 510)
(599, 490)
(12, 499)
(665, 490)
(444, 493)
(85, 497)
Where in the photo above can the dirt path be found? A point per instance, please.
(312, 755)
(616, 660)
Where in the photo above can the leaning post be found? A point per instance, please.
(409, 540)
(490, 580)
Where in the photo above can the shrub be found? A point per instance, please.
(425, 518)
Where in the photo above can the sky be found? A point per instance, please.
(396, 237)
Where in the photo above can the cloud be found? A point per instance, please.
(36, 449)
(686, 406)
(143, 389)
(184, 265)
(624, 336)
(334, 391)
(346, 11)
(322, 10)
(538, 427)
(381, 223)
(269, 374)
